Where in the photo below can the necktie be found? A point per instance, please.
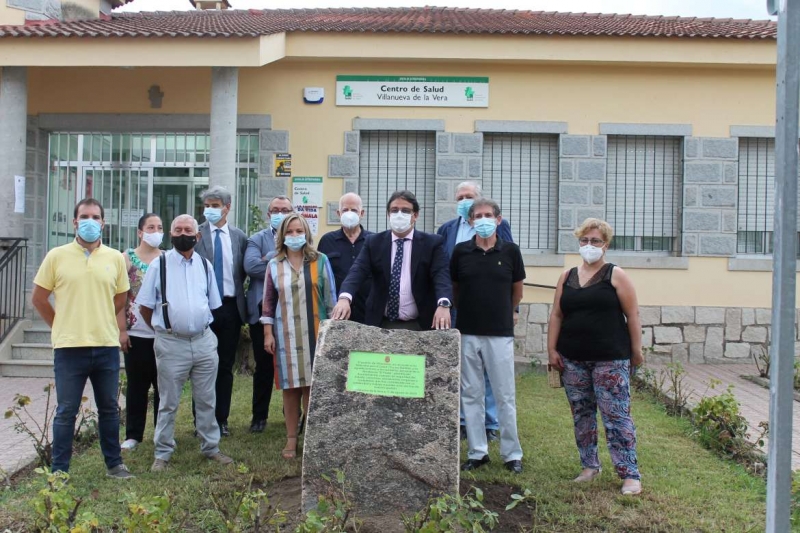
(218, 265)
(394, 285)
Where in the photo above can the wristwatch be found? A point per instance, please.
(446, 304)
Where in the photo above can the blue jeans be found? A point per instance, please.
(72, 367)
(491, 406)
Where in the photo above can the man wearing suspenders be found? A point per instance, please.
(177, 296)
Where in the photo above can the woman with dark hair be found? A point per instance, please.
(136, 337)
(299, 292)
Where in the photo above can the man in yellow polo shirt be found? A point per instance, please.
(90, 285)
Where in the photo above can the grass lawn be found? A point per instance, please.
(686, 488)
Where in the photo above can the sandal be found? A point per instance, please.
(588, 474)
(631, 487)
(290, 453)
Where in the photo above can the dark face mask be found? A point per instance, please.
(184, 243)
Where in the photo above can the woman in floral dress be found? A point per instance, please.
(136, 337)
(299, 292)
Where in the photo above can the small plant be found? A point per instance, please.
(334, 510)
(152, 514)
(677, 394)
(26, 424)
(242, 510)
(721, 428)
(526, 497)
(257, 220)
(797, 375)
(57, 509)
(453, 514)
(762, 360)
(5, 479)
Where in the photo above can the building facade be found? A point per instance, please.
(662, 126)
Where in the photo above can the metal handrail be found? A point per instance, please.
(13, 270)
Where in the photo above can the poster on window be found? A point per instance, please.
(307, 199)
(283, 165)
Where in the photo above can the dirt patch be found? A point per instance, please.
(287, 492)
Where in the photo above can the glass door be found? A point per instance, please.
(124, 196)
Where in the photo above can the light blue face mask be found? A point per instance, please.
(276, 219)
(213, 214)
(295, 243)
(89, 230)
(485, 227)
(463, 207)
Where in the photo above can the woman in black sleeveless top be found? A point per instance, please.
(594, 337)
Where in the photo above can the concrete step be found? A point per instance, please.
(26, 369)
(38, 334)
(32, 351)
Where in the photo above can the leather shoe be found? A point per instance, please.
(463, 432)
(492, 435)
(224, 431)
(258, 426)
(514, 466)
(472, 464)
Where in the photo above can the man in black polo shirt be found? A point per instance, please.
(342, 246)
(487, 275)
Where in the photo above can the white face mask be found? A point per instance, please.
(400, 222)
(350, 219)
(153, 239)
(591, 254)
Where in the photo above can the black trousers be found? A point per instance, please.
(140, 367)
(264, 375)
(227, 326)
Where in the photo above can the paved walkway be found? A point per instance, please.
(754, 399)
(16, 449)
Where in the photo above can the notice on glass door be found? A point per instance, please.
(307, 199)
(19, 194)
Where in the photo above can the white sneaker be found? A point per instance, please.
(129, 444)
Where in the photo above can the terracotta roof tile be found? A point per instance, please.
(254, 23)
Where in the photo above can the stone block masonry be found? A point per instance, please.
(582, 178)
(682, 334)
(709, 196)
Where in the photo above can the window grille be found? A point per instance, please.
(756, 205)
(122, 170)
(397, 160)
(520, 172)
(644, 192)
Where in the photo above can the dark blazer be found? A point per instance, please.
(449, 231)
(238, 244)
(261, 244)
(430, 276)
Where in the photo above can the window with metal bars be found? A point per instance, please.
(397, 160)
(756, 205)
(644, 181)
(520, 172)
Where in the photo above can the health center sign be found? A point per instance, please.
(412, 91)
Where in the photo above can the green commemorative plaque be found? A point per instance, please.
(385, 374)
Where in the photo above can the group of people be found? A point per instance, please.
(178, 316)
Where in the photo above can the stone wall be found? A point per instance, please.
(682, 334)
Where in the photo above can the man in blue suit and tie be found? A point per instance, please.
(457, 231)
(411, 286)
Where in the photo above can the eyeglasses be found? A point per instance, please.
(404, 210)
(281, 211)
(594, 242)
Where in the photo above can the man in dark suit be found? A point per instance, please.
(455, 232)
(411, 287)
(260, 249)
(224, 245)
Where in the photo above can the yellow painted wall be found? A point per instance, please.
(582, 95)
